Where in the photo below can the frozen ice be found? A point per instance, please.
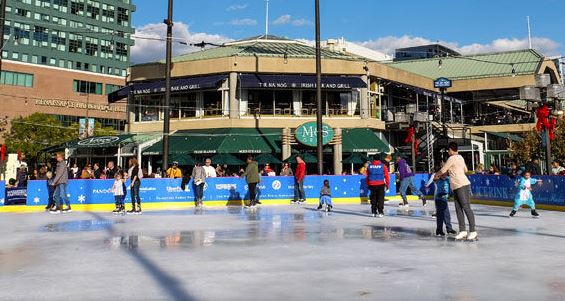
(280, 253)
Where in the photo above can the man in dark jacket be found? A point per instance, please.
(378, 181)
(533, 167)
(252, 177)
(60, 182)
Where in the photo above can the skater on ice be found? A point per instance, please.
(378, 181)
(326, 197)
(524, 195)
(119, 191)
(441, 198)
(461, 186)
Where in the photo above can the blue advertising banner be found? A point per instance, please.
(504, 188)
(215, 189)
(2, 193)
(15, 196)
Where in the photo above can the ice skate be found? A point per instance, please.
(55, 210)
(329, 208)
(535, 213)
(381, 215)
(67, 209)
(320, 207)
(462, 235)
(451, 232)
(440, 233)
(512, 213)
(473, 236)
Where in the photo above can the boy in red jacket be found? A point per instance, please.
(378, 181)
(299, 196)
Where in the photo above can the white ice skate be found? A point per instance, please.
(462, 235)
(473, 236)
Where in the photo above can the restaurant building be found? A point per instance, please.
(253, 96)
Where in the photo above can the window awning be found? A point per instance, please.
(508, 136)
(362, 141)
(300, 82)
(177, 85)
(221, 141)
(92, 142)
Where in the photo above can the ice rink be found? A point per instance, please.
(280, 253)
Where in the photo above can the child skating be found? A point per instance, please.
(524, 195)
(326, 197)
(441, 198)
(119, 191)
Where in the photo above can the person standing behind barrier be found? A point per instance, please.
(198, 179)
(252, 177)
(286, 170)
(60, 182)
(378, 181)
(299, 175)
(210, 170)
(407, 181)
(461, 187)
(174, 171)
(111, 170)
(133, 173)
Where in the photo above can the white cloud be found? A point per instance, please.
(284, 19)
(237, 7)
(153, 49)
(243, 22)
(388, 44)
(288, 19)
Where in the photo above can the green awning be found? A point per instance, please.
(182, 159)
(362, 141)
(226, 159)
(509, 136)
(355, 159)
(267, 158)
(307, 157)
(92, 142)
(222, 141)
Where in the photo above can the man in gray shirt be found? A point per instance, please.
(60, 182)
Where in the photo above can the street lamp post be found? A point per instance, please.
(2, 21)
(166, 119)
(319, 130)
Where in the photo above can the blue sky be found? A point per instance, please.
(471, 26)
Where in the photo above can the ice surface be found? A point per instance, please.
(280, 253)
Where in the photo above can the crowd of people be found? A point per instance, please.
(513, 170)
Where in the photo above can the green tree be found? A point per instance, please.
(38, 131)
(33, 133)
(530, 146)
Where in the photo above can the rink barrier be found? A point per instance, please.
(96, 195)
(501, 190)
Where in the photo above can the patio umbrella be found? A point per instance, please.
(355, 159)
(226, 159)
(307, 157)
(267, 158)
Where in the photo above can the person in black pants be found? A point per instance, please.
(378, 181)
(133, 173)
(252, 177)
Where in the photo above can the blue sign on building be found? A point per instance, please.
(442, 83)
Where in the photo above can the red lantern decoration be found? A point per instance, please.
(3, 152)
(545, 121)
(411, 138)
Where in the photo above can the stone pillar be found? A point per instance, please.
(364, 98)
(234, 102)
(286, 147)
(338, 152)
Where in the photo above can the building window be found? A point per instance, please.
(82, 86)
(123, 16)
(77, 8)
(91, 49)
(112, 88)
(16, 79)
(75, 46)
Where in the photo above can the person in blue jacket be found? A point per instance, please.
(524, 195)
(441, 197)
